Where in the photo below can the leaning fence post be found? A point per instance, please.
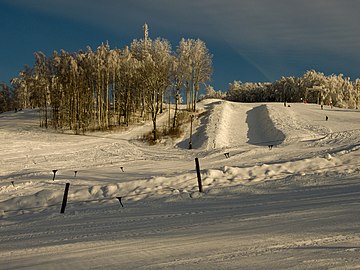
(198, 174)
(63, 206)
(119, 198)
(54, 171)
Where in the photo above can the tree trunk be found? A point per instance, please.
(176, 106)
(154, 126)
(196, 96)
(188, 95)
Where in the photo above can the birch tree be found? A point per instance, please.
(21, 86)
(201, 67)
(41, 86)
(157, 73)
(185, 57)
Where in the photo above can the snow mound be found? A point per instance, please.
(262, 130)
(229, 124)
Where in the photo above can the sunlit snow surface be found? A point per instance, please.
(295, 206)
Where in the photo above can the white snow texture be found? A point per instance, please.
(286, 196)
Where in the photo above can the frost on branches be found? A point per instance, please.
(312, 87)
(102, 88)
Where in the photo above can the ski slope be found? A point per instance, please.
(295, 206)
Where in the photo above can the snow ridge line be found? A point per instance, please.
(220, 138)
(233, 175)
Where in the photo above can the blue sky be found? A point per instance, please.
(254, 40)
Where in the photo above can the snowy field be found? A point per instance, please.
(295, 206)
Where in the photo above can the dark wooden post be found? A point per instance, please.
(119, 198)
(191, 123)
(198, 174)
(63, 206)
(54, 171)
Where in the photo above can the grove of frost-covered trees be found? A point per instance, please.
(90, 90)
(312, 87)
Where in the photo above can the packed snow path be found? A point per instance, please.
(295, 206)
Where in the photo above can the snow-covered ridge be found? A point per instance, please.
(233, 124)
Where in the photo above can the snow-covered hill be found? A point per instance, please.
(295, 206)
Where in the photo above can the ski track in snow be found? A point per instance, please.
(295, 206)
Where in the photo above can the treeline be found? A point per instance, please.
(89, 90)
(312, 87)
